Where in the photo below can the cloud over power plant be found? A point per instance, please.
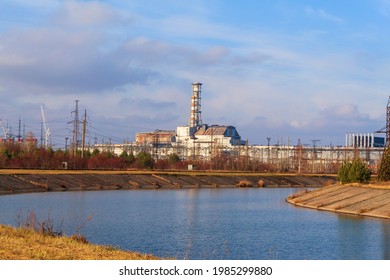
(282, 70)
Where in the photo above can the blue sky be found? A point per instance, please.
(287, 70)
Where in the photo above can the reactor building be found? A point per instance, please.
(195, 140)
(202, 142)
(203, 135)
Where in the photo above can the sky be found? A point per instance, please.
(287, 70)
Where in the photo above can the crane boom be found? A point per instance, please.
(7, 134)
(47, 130)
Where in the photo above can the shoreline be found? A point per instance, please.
(362, 200)
(372, 200)
(34, 181)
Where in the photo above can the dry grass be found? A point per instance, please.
(260, 183)
(330, 182)
(378, 185)
(244, 184)
(372, 185)
(25, 244)
(134, 184)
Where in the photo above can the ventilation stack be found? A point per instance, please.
(196, 110)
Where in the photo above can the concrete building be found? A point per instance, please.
(195, 140)
(198, 139)
(202, 142)
(363, 140)
(157, 137)
(221, 134)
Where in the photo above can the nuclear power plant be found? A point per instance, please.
(202, 142)
(193, 141)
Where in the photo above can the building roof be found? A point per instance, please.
(217, 130)
(158, 132)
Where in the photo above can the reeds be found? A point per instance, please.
(244, 184)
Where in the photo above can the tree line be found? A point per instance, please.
(31, 156)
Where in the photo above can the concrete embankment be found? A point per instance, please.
(363, 200)
(22, 182)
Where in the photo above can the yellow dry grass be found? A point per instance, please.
(376, 185)
(244, 184)
(25, 244)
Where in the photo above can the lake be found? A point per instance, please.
(206, 223)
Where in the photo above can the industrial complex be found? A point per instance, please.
(193, 141)
(202, 142)
(199, 142)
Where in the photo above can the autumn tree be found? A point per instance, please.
(384, 169)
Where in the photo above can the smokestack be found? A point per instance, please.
(196, 107)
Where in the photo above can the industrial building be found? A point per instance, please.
(203, 142)
(195, 140)
(157, 137)
(363, 140)
(201, 136)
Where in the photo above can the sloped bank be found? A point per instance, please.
(23, 182)
(369, 200)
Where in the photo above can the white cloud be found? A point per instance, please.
(87, 14)
(262, 82)
(298, 124)
(348, 111)
(320, 13)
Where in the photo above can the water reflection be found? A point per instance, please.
(209, 224)
(386, 240)
(351, 233)
(360, 237)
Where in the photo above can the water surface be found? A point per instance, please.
(206, 223)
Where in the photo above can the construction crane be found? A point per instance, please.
(47, 130)
(7, 134)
